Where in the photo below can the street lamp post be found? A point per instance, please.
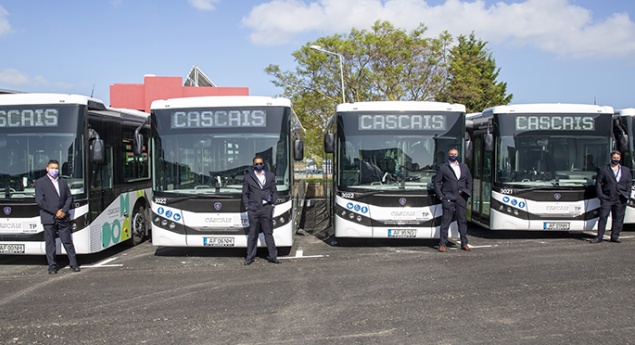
(318, 48)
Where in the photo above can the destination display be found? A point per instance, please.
(219, 119)
(16, 118)
(378, 122)
(555, 123)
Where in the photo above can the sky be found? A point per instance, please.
(562, 51)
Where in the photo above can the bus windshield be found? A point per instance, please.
(393, 159)
(214, 161)
(28, 143)
(549, 159)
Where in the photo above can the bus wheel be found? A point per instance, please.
(284, 251)
(138, 226)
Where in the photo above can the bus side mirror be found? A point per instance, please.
(469, 146)
(329, 143)
(98, 151)
(137, 146)
(298, 150)
(468, 149)
(623, 143)
(489, 142)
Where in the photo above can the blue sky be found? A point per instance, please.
(567, 51)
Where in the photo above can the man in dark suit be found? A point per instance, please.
(259, 197)
(54, 199)
(613, 185)
(453, 185)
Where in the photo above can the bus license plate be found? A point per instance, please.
(557, 226)
(218, 241)
(11, 248)
(402, 233)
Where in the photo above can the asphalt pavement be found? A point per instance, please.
(512, 288)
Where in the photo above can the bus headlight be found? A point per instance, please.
(164, 222)
(359, 218)
(351, 215)
(172, 225)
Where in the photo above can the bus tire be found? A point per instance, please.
(284, 251)
(138, 225)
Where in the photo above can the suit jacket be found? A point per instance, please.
(447, 186)
(253, 194)
(607, 187)
(49, 202)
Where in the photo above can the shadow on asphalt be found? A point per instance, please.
(62, 259)
(202, 252)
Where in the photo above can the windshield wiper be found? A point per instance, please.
(171, 201)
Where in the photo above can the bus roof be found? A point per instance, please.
(626, 112)
(548, 108)
(220, 101)
(50, 98)
(400, 106)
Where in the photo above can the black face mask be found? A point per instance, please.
(615, 161)
(258, 167)
(453, 158)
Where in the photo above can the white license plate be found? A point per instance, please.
(218, 241)
(556, 225)
(11, 248)
(402, 233)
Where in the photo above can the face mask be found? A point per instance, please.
(258, 167)
(53, 172)
(453, 158)
(615, 161)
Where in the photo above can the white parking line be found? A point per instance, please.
(299, 254)
(104, 264)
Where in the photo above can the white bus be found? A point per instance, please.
(534, 165)
(385, 157)
(202, 149)
(102, 154)
(625, 132)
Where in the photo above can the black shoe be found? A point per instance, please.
(273, 261)
(75, 269)
(616, 241)
(53, 270)
(249, 262)
(596, 240)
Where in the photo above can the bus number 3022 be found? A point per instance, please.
(348, 195)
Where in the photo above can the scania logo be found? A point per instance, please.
(402, 201)
(218, 206)
(557, 196)
(7, 210)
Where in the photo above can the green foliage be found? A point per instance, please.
(386, 64)
(380, 64)
(473, 74)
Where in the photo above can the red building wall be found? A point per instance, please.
(140, 96)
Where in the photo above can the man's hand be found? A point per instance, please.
(60, 214)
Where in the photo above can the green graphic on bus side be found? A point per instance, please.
(115, 232)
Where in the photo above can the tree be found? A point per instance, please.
(472, 77)
(380, 64)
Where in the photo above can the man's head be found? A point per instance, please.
(453, 154)
(615, 157)
(53, 168)
(259, 163)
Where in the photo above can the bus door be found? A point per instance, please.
(101, 180)
(482, 186)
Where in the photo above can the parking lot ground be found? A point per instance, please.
(513, 288)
